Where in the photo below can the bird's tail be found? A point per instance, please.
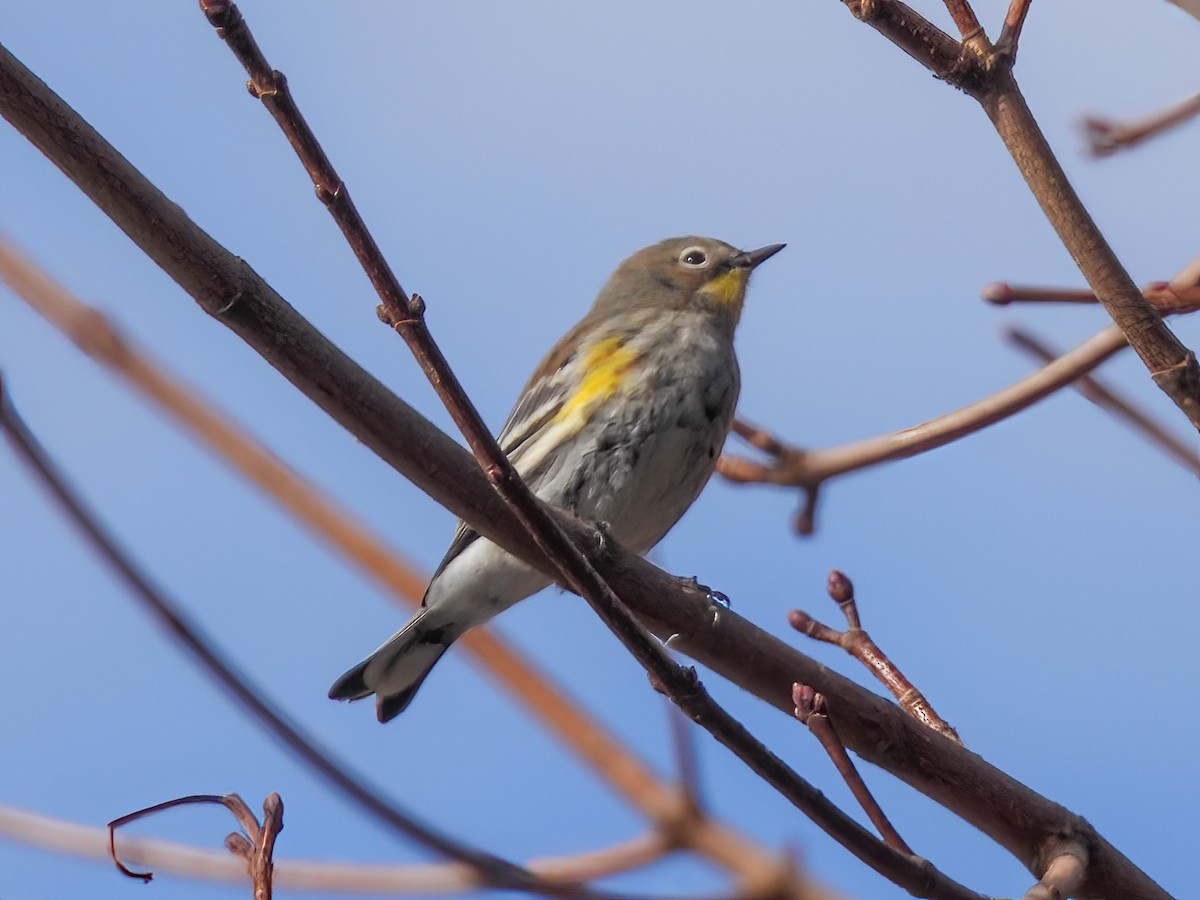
(395, 671)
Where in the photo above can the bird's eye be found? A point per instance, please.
(694, 257)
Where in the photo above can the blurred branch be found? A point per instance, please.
(811, 710)
(492, 870)
(569, 563)
(1107, 136)
(227, 289)
(96, 336)
(255, 847)
(986, 75)
(1105, 398)
(36, 830)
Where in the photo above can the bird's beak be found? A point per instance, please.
(749, 259)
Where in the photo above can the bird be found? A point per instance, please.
(621, 424)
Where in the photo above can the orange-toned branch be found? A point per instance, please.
(623, 771)
(1104, 397)
(57, 835)
(808, 469)
(1107, 136)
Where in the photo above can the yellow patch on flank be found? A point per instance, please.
(728, 287)
(604, 368)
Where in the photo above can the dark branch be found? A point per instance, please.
(491, 869)
(226, 288)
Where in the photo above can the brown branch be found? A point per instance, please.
(987, 76)
(569, 564)
(811, 710)
(492, 869)
(1107, 136)
(1187, 278)
(1172, 365)
(808, 469)
(965, 20)
(915, 35)
(687, 765)
(855, 641)
(1105, 398)
(1010, 34)
(256, 847)
(59, 836)
(93, 333)
(1167, 297)
(1064, 875)
(226, 288)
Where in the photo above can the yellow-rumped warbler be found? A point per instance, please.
(622, 423)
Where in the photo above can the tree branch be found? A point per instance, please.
(986, 74)
(56, 835)
(226, 288)
(569, 563)
(492, 870)
(623, 771)
(795, 467)
(1121, 408)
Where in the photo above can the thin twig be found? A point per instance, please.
(687, 765)
(226, 288)
(573, 567)
(1187, 278)
(118, 822)
(1104, 397)
(1168, 297)
(492, 870)
(256, 847)
(1107, 136)
(1014, 21)
(855, 641)
(987, 77)
(85, 841)
(93, 333)
(1171, 365)
(808, 469)
(811, 710)
(965, 20)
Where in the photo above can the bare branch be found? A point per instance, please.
(1172, 365)
(912, 33)
(1065, 874)
(810, 709)
(570, 564)
(93, 333)
(855, 641)
(226, 288)
(1105, 398)
(492, 870)
(684, 743)
(1179, 295)
(256, 851)
(36, 830)
(809, 468)
(965, 20)
(987, 76)
(1106, 136)
(1014, 21)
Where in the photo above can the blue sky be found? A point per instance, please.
(1036, 580)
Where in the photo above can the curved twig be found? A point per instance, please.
(226, 288)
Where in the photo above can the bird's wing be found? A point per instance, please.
(560, 398)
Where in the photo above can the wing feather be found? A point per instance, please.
(559, 400)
